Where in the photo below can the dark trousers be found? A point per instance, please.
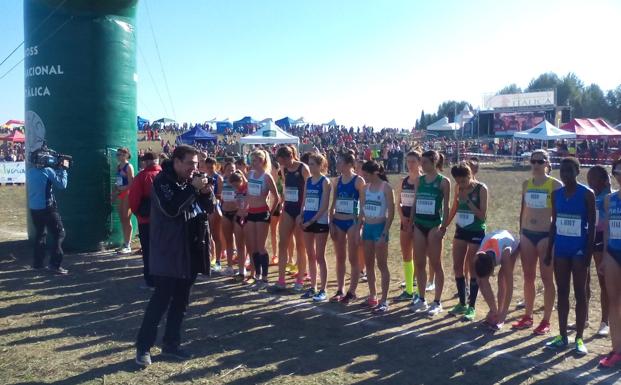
(143, 234)
(172, 294)
(43, 221)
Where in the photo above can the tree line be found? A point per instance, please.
(586, 101)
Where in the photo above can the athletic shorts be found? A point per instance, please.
(259, 217)
(474, 237)
(317, 228)
(373, 231)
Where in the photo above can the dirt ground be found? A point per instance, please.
(80, 329)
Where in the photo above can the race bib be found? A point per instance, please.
(568, 226)
(372, 209)
(291, 194)
(425, 206)
(345, 206)
(464, 219)
(536, 200)
(119, 181)
(228, 195)
(311, 204)
(407, 199)
(614, 226)
(254, 188)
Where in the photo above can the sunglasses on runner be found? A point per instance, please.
(537, 161)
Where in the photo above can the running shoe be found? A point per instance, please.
(348, 298)
(380, 308)
(228, 271)
(216, 268)
(310, 293)
(372, 302)
(402, 285)
(363, 277)
(419, 305)
(580, 348)
(143, 358)
(611, 360)
(431, 286)
(124, 250)
(274, 261)
(559, 342)
(458, 309)
(434, 309)
(525, 322)
(405, 296)
(320, 296)
(470, 314)
(337, 297)
(604, 330)
(543, 328)
(57, 270)
(298, 287)
(520, 304)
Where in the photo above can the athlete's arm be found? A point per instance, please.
(524, 185)
(390, 208)
(398, 200)
(220, 182)
(590, 202)
(480, 212)
(488, 294)
(272, 189)
(446, 196)
(548, 257)
(506, 275)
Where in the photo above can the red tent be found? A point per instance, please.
(591, 128)
(16, 137)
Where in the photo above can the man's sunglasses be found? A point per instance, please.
(537, 161)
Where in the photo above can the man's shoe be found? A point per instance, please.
(58, 270)
(176, 353)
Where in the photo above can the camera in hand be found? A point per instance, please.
(46, 157)
(203, 175)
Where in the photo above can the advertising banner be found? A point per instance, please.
(12, 172)
(527, 99)
(508, 123)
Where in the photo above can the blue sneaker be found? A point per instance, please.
(320, 296)
(310, 293)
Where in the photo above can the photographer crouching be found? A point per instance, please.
(179, 238)
(48, 171)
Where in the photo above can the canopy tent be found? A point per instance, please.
(245, 124)
(15, 137)
(14, 123)
(141, 122)
(270, 133)
(223, 125)
(196, 134)
(300, 122)
(443, 125)
(464, 116)
(618, 127)
(285, 122)
(544, 131)
(591, 128)
(164, 121)
(331, 123)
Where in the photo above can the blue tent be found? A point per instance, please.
(285, 122)
(222, 126)
(196, 134)
(245, 124)
(141, 122)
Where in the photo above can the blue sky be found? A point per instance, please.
(358, 61)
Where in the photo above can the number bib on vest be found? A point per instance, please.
(407, 199)
(345, 206)
(254, 188)
(425, 206)
(311, 203)
(536, 200)
(291, 194)
(614, 228)
(464, 218)
(568, 226)
(228, 195)
(372, 209)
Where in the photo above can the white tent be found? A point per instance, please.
(443, 125)
(618, 127)
(545, 131)
(270, 133)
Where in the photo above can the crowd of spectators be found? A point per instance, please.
(12, 152)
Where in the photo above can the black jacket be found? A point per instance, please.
(179, 237)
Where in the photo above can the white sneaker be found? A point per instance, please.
(435, 309)
(431, 286)
(604, 330)
(228, 271)
(125, 250)
(419, 306)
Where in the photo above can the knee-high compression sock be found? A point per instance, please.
(474, 291)
(408, 270)
(461, 289)
(256, 260)
(265, 263)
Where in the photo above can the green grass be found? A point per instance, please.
(80, 329)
